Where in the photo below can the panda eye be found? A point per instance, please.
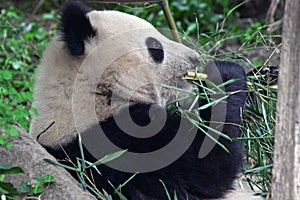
(155, 49)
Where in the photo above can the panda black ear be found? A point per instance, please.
(75, 27)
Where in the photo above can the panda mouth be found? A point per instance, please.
(184, 81)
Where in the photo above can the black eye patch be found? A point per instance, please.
(155, 49)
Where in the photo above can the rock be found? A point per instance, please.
(29, 155)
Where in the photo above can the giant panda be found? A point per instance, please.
(103, 65)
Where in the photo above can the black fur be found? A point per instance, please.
(189, 176)
(155, 49)
(228, 71)
(75, 27)
(140, 115)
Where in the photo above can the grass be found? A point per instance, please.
(21, 48)
(258, 127)
(82, 167)
(258, 132)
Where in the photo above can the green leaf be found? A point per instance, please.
(2, 177)
(39, 178)
(13, 132)
(7, 169)
(166, 190)
(38, 188)
(28, 35)
(48, 178)
(247, 36)
(16, 64)
(175, 195)
(7, 75)
(8, 188)
(24, 187)
(48, 16)
(9, 145)
(3, 191)
(3, 139)
(212, 103)
(61, 165)
(177, 89)
(81, 152)
(109, 157)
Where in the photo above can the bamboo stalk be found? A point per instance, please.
(165, 6)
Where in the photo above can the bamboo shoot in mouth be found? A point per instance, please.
(195, 76)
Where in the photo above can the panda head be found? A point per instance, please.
(127, 57)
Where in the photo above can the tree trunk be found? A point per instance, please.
(286, 171)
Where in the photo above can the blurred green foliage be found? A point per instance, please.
(186, 12)
(21, 47)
